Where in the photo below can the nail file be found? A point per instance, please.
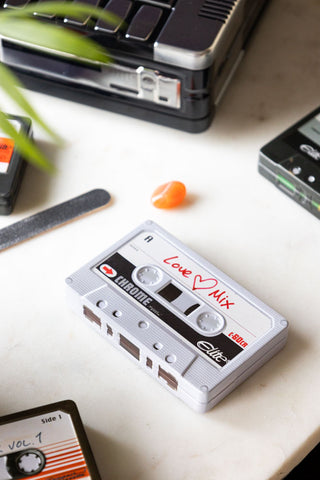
(52, 217)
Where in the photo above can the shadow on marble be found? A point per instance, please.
(264, 378)
(114, 460)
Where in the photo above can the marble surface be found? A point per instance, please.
(232, 216)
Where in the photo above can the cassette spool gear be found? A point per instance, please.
(21, 464)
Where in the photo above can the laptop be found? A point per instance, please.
(171, 59)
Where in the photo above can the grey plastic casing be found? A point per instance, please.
(156, 347)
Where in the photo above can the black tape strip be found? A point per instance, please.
(52, 217)
(170, 292)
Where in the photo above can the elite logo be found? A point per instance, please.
(213, 352)
(312, 152)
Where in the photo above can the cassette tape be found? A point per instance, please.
(185, 322)
(48, 442)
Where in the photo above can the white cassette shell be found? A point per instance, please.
(151, 326)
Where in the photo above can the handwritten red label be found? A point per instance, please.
(200, 283)
(184, 271)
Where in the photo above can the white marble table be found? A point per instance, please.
(233, 217)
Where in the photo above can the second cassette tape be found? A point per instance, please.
(46, 443)
(184, 321)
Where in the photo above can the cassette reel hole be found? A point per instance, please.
(157, 346)
(30, 462)
(210, 322)
(148, 275)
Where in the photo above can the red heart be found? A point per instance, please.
(198, 280)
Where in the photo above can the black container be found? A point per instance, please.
(171, 59)
(292, 162)
(12, 164)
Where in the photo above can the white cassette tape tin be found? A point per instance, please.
(188, 324)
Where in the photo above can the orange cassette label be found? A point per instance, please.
(6, 150)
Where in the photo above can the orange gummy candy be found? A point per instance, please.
(169, 195)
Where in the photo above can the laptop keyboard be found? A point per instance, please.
(138, 21)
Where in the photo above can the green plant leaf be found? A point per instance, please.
(53, 37)
(21, 25)
(27, 148)
(11, 86)
(62, 9)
